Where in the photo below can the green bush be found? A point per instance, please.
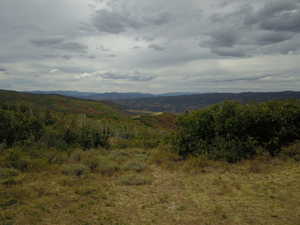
(232, 131)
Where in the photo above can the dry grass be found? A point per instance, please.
(260, 191)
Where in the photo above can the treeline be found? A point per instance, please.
(232, 131)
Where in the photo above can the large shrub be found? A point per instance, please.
(232, 131)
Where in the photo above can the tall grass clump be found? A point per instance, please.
(232, 131)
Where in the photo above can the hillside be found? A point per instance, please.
(106, 111)
(177, 104)
(58, 103)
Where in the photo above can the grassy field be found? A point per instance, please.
(147, 187)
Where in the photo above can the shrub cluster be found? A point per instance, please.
(233, 131)
(23, 125)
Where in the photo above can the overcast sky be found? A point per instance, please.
(150, 45)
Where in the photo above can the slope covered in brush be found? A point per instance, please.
(57, 103)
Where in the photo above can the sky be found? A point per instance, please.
(148, 46)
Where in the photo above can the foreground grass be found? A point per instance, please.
(138, 187)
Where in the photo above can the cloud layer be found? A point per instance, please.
(150, 46)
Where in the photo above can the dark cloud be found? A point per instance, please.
(267, 38)
(3, 70)
(72, 46)
(156, 47)
(229, 52)
(128, 77)
(288, 21)
(253, 26)
(114, 22)
(67, 57)
(277, 16)
(224, 37)
(47, 42)
(278, 6)
(111, 22)
(59, 43)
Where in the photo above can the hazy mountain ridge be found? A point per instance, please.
(177, 104)
(109, 95)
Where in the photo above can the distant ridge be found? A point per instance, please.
(108, 95)
(177, 104)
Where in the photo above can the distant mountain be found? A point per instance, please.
(177, 93)
(97, 96)
(175, 102)
(181, 103)
(108, 95)
(77, 94)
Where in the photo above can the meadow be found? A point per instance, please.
(136, 186)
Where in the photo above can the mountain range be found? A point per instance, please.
(176, 102)
(109, 95)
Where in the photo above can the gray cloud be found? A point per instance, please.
(230, 51)
(47, 42)
(128, 77)
(102, 48)
(72, 46)
(224, 37)
(266, 38)
(156, 47)
(114, 22)
(221, 40)
(74, 69)
(2, 70)
(288, 21)
(277, 16)
(58, 43)
(110, 22)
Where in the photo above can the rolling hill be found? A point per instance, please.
(59, 103)
(106, 111)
